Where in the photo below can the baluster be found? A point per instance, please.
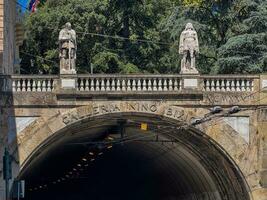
(139, 86)
(238, 86)
(118, 88)
(160, 84)
(86, 88)
(39, 86)
(97, 85)
(155, 85)
(170, 84)
(233, 86)
(217, 87)
(113, 85)
(212, 85)
(207, 85)
(52, 85)
(14, 89)
(243, 88)
(134, 85)
(180, 84)
(223, 85)
(29, 85)
(102, 87)
(81, 84)
(123, 85)
(165, 85)
(49, 85)
(23, 85)
(252, 85)
(149, 85)
(246, 85)
(175, 85)
(92, 85)
(249, 85)
(129, 85)
(228, 85)
(144, 85)
(19, 89)
(34, 85)
(108, 84)
(45, 85)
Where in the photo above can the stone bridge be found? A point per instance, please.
(156, 133)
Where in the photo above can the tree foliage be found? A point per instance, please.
(129, 21)
(145, 33)
(232, 34)
(246, 50)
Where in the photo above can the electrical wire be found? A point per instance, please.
(114, 37)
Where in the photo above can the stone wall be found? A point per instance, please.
(9, 44)
(1, 33)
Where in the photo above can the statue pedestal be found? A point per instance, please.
(190, 83)
(68, 81)
(73, 71)
(192, 71)
(190, 80)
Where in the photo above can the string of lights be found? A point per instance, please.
(79, 167)
(90, 157)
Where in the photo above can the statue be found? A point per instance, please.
(68, 48)
(188, 48)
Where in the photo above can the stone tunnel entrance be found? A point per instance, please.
(118, 157)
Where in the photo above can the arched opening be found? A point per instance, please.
(114, 156)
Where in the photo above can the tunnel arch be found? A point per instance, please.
(214, 175)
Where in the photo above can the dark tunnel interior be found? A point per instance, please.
(111, 162)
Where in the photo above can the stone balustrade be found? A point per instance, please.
(33, 83)
(229, 83)
(123, 83)
(142, 83)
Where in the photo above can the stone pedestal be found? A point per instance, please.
(186, 71)
(68, 83)
(64, 72)
(190, 83)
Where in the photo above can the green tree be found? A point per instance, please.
(212, 20)
(232, 34)
(246, 50)
(132, 23)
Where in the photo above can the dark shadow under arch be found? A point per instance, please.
(190, 166)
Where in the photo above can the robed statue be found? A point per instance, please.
(189, 48)
(68, 48)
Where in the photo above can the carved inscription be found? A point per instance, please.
(215, 98)
(100, 109)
